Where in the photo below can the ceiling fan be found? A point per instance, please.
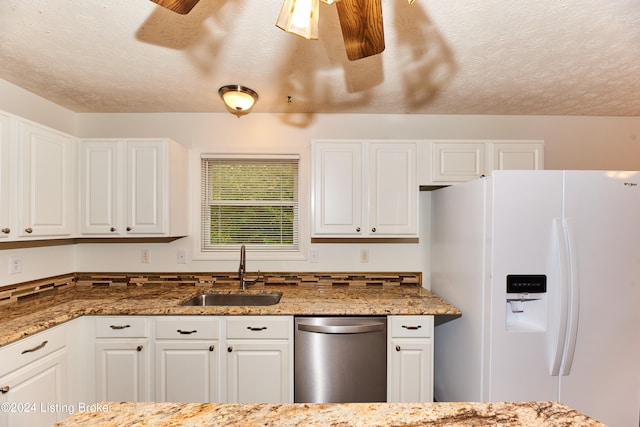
(360, 21)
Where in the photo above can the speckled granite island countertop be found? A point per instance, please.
(35, 314)
(529, 414)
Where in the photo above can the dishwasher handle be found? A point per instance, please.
(341, 329)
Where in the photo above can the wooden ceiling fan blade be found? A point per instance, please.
(362, 29)
(178, 6)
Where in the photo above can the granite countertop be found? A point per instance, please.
(529, 414)
(35, 314)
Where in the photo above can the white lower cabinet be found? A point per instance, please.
(123, 359)
(187, 362)
(410, 359)
(259, 359)
(33, 380)
(234, 359)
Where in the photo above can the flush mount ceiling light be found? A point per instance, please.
(238, 99)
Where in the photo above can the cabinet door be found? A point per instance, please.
(337, 189)
(410, 366)
(30, 394)
(122, 370)
(526, 156)
(5, 174)
(187, 371)
(392, 189)
(146, 187)
(457, 162)
(100, 188)
(47, 182)
(258, 371)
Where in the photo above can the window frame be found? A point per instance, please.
(232, 251)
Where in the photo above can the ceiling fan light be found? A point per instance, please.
(238, 99)
(300, 17)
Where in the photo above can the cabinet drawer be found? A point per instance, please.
(32, 348)
(122, 326)
(411, 326)
(244, 327)
(192, 328)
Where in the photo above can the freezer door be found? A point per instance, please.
(523, 336)
(603, 379)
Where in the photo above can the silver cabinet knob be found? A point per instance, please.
(373, 230)
(229, 349)
(358, 229)
(211, 348)
(139, 348)
(112, 229)
(398, 348)
(29, 230)
(6, 230)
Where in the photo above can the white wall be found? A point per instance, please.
(23, 103)
(224, 133)
(571, 143)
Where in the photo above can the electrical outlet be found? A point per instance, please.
(364, 255)
(144, 256)
(15, 265)
(182, 256)
(313, 255)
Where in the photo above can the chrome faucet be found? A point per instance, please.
(242, 269)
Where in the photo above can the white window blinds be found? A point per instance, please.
(251, 201)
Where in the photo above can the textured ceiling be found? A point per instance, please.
(569, 57)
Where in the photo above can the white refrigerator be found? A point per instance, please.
(545, 267)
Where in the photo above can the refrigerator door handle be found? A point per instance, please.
(574, 299)
(557, 345)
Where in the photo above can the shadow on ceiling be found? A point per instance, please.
(427, 65)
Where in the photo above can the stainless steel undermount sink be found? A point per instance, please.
(204, 300)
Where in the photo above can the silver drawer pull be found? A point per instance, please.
(36, 348)
(118, 327)
(412, 328)
(5, 389)
(251, 328)
(180, 331)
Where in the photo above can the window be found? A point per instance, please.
(250, 200)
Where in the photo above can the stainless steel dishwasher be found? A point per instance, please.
(340, 359)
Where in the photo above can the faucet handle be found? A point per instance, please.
(252, 281)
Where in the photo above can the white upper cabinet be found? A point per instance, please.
(455, 162)
(450, 162)
(5, 175)
(525, 155)
(364, 189)
(392, 189)
(133, 187)
(337, 188)
(100, 187)
(46, 190)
